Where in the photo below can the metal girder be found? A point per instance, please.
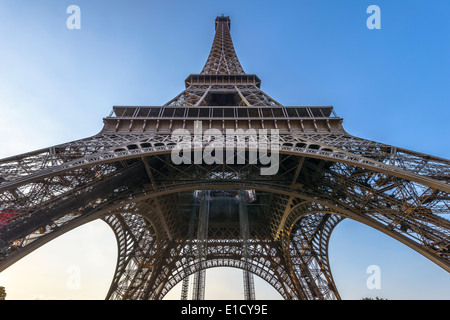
(202, 242)
(364, 191)
(249, 286)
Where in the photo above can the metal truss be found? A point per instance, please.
(243, 96)
(222, 58)
(202, 243)
(125, 176)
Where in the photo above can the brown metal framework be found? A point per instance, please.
(125, 176)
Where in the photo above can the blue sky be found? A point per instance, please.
(389, 85)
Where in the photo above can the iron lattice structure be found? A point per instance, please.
(176, 220)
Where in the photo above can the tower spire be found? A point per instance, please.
(222, 58)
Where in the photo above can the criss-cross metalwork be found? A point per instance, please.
(277, 226)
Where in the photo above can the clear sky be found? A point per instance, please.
(390, 85)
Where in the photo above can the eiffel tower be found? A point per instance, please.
(173, 220)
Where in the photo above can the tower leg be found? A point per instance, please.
(306, 254)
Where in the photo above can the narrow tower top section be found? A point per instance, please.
(222, 58)
(224, 20)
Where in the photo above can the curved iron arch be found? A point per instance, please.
(324, 152)
(292, 193)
